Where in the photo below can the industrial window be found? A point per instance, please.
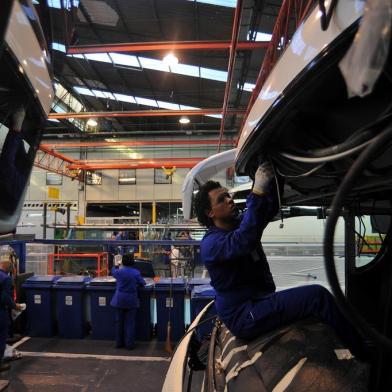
(127, 177)
(94, 178)
(161, 178)
(54, 179)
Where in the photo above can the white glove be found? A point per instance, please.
(263, 177)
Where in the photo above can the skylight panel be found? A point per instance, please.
(184, 69)
(137, 100)
(102, 57)
(213, 74)
(77, 56)
(103, 94)
(247, 86)
(146, 102)
(157, 65)
(58, 46)
(57, 4)
(168, 105)
(125, 98)
(125, 59)
(185, 107)
(221, 3)
(260, 36)
(83, 91)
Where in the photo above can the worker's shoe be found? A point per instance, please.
(4, 367)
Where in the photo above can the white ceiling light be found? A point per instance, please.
(91, 122)
(170, 59)
(184, 120)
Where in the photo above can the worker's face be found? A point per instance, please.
(222, 204)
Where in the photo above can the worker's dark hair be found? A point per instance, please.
(128, 259)
(202, 202)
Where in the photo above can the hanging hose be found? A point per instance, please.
(346, 186)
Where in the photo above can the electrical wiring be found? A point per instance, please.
(346, 186)
(329, 158)
(306, 174)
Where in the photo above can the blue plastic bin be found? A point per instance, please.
(144, 315)
(40, 305)
(70, 295)
(197, 282)
(170, 307)
(200, 297)
(103, 315)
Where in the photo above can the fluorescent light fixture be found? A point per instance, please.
(221, 3)
(184, 120)
(170, 59)
(111, 140)
(92, 122)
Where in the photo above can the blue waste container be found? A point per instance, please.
(169, 295)
(103, 315)
(144, 315)
(70, 296)
(200, 297)
(40, 305)
(197, 282)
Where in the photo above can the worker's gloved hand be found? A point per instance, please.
(263, 177)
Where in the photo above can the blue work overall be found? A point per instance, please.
(126, 302)
(246, 300)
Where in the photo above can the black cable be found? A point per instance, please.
(346, 186)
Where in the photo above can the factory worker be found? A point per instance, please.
(126, 301)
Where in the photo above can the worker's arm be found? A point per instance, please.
(221, 246)
(140, 280)
(224, 245)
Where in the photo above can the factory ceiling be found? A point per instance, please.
(107, 56)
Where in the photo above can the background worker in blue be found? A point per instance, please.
(6, 303)
(126, 301)
(246, 300)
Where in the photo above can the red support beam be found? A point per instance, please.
(230, 68)
(144, 143)
(165, 46)
(155, 163)
(56, 163)
(144, 113)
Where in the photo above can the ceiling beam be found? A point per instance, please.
(155, 163)
(164, 46)
(143, 113)
(116, 144)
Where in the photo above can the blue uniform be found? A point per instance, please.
(246, 300)
(126, 302)
(6, 303)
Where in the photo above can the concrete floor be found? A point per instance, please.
(55, 365)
